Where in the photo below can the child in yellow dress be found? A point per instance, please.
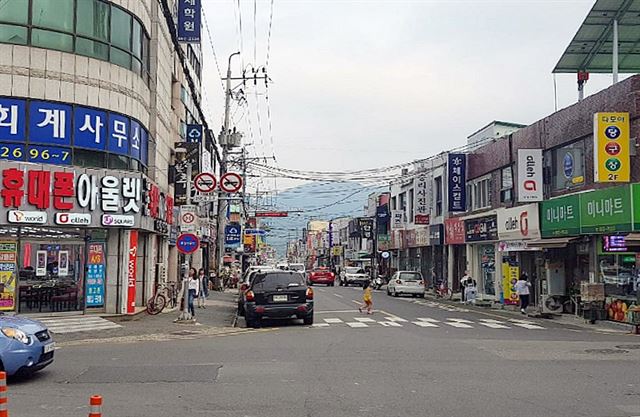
(366, 297)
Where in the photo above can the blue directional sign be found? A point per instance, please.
(187, 243)
(255, 232)
(232, 234)
(194, 133)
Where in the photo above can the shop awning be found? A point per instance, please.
(557, 242)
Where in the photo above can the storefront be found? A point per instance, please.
(76, 239)
(517, 227)
(481, 236)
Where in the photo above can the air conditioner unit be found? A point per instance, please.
(552, 304)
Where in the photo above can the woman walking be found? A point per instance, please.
(192, 286)
(203, 288)
(367, 298)
(523, 289)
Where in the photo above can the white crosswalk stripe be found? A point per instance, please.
(493, 324)
(428, 319)
(528, 326)
(321, 325)
(398, 319)
(357, 324)
(460, 320)
(61, 325)
(390, 324)
(333, 320)
(458, 324)
(365, 320)
(424, 324)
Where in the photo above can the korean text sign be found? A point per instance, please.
(95, 275)
(56, 129)
(611, 147)
(189, 20)
(530, 175)
(457, 172)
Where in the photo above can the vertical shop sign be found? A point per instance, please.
(8, 257)
(510, 276)
(529, 175)
(421, 203)
(454, 231)
(131, 271)
(611, 147)
(95, 275)
(41, 263)
(189, 21)
(457, 172)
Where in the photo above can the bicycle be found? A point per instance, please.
(443, 291)
(164, 296)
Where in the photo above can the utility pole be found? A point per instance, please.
(222, 206)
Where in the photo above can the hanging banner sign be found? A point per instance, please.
(510, 275)
(8, 274)
(397, 219)
(189, 21)
(132, 269)
(611, 147)
(63, 263)
(457, 170)
(421, 203)
(41, 263)
(530, 175)
(454, 231)
(95, 275)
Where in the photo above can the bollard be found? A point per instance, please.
(95, 406)
(4, 412)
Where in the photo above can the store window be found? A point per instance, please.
(565, 167)
(480, 190)
(488, 268)
(620, 274)
(97, 29)
(506, 185)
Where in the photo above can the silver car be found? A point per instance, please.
(406, 282)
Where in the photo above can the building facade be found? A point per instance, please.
(93, 98)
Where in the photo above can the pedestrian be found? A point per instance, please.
(203, 288)
(463, 285)
(367, 298)
(192, 285)
(523, 287)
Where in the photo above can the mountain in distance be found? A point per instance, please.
(315, 201)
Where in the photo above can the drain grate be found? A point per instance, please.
(607, 351)
(629, 347)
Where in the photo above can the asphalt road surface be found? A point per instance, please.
(412, 357)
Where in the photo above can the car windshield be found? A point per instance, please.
(296, 267)
(354, 270)
(410, 276)
(274, 281)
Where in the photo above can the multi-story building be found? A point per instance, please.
(93, 96)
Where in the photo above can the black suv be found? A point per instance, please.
(278, 294)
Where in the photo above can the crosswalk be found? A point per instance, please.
(425, 322)
(433, 304)
(59, 325)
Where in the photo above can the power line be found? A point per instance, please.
(255, 32)
(269, 36)
(213, 49)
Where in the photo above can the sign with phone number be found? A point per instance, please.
(47, 132)
(35, 153)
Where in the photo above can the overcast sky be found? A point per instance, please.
(361, 84)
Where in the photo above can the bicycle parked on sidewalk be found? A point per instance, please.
(165, 295)
(443, 290)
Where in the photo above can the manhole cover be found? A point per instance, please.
(185, 332)
(607, 351)
(630, 347)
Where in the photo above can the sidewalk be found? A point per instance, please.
(216, 318)
(568, 320)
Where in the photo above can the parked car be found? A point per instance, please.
(406, 282)
(245, 283)
(278, 295)
(322, 276)
(25, 345)
(353, 275)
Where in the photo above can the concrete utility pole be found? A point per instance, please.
(222, 205)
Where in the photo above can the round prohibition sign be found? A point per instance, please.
(188, 218)
(205, 182)
(231, 182)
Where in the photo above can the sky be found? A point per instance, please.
(365, 84)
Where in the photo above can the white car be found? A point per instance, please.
(406, 282)
(353, 275)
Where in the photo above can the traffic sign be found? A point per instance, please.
(205, 182)
(232, 234)
(187, 243)
(194, 133)
(255, 232)
(231, 182)
(188, 215)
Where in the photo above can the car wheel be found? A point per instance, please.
(395, 293)
(308, 321)
(388, 292)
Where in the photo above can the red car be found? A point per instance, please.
(322, 276)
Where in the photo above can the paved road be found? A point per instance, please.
(458, 362)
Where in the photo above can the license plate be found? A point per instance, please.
(280, 298)
(49, 348)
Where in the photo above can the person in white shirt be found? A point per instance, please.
(523, 287)
(193, 289)
(466, 283)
